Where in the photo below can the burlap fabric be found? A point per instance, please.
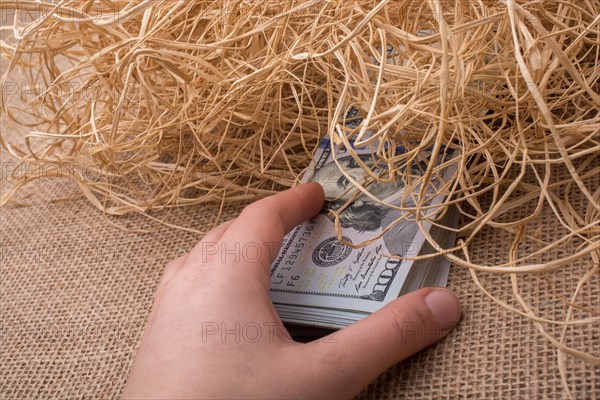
(76, 291)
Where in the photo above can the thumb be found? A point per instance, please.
(356, 355)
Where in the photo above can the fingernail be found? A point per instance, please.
(444, 306)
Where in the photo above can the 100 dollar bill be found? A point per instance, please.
(315, 269)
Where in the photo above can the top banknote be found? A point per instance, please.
(366, 268)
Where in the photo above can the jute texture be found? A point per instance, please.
(76, 291)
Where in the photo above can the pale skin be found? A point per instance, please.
(184, 355)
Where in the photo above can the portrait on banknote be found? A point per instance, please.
(361, 212)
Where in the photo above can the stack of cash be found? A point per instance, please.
(317, 280)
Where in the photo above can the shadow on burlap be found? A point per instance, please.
(76, 292)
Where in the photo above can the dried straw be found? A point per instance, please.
(162, 104)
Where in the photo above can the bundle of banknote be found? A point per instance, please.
(321, 281)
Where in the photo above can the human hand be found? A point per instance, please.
(214, 333)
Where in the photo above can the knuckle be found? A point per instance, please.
(171, 266)
(254, 208)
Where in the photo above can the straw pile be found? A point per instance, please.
(151, 105)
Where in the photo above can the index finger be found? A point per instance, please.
(256, 234)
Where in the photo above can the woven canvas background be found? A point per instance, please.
(76, 291)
